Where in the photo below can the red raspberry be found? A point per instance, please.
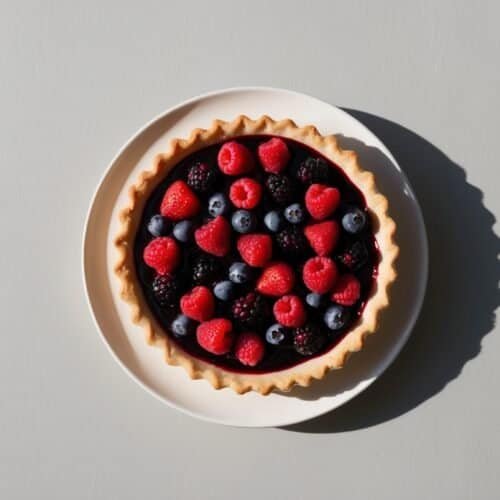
(274, 155)
(276, 280)
(215, 336)
(214, 237)
(290, 311)
(323, 236)
(245, 193)
(162, 254)
(319, 274)
(179, 202)
(235, 159)
(347, 290)
(322, 201)
(198, 304)
(255, 249)
(249, 349)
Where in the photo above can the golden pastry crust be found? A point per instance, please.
(303, 373)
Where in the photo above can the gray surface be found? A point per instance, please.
(76, 81)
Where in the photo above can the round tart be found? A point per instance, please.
(257, 254)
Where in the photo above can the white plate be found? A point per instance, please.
(171, 384)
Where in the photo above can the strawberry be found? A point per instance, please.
(290, 311)
(273, 155)
(245, 193)
(319, 274)
(321, 200)
(255, 249)
(276, 280)
(249, 349)
(162, 254)
(347, 290)
(198, 304)
(215, 336)
(323, 236)
(235, 159)
(214, 237)
(179, 202)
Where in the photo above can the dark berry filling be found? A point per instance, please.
(296, 226)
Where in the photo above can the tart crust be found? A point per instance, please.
(315, 368)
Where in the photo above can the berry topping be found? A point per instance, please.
(280, 188)
(255, 249)
(235, 159)
(182, 326)
(215, 336)
(214, 237)
(251, 310)
(166, 290)
(276, 334)
(313, 171)
(224, 290)
(179, 202)
(308, 340)
(273, 155)
(183, 231)
(322, 200)
(162, 254)
(323, 236)
(198, 304)
(249, 349)
(218, 205)
(276, 280)
(336, 317)
(205, 269)
(354, 220)
(319, 274)
(347, 290)
(245, 193)
(273, 221)
(201, 177)
(159, 226)
(290, 311)
(240, 273)
(243, 221)
(291, 241)
(315, 300)
(294, 213)
(354, 256)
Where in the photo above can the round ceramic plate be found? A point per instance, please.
(171, 385)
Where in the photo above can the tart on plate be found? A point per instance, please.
(257, 254)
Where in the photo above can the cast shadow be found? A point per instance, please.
(462, 293)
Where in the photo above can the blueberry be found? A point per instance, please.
(182, 326)
(243, 221)
(276, 334)
(239, 272)
(273, 221)
(218, 205)
(224, 290)
(158, 226)
(183, 230)
(354, 220)
(315, 300)
(294, 213)
(336, 317)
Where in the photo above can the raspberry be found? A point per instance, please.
(354, 256)
(214, 237)
(251, 310)
(308, 340)
(245, 193)
(321, 200)
(280, 188)
(166, 290)
(249, 349)
(234, 159)
(290, 311)
(291, 241)
(205, 269)
(162, 254)
(313, 171)
(347, 290)
(198, 304)
(255, 249)
(201, 177)
(273, 155)
(179, 202)
(215, 336)
(319, 274)
(323, 236)
(276, 280)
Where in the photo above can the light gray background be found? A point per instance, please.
(77, 80)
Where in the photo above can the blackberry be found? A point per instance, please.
(354, 256)
(292, 241)
(312, 171)
(251, 310)
(201, 177)
(308, 339)
(205, 269)
(280, 188)
(166, 290)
